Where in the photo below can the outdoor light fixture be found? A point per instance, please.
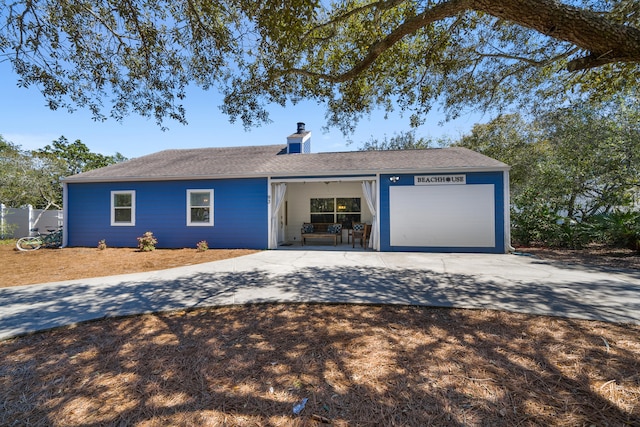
(394, 178)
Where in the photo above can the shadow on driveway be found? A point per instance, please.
(31, 308)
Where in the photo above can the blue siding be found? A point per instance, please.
(240, 214)
(495, 178)
(294, 148)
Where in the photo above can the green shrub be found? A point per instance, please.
(6, 230)
(617, 229)
(571, 234)
(533, 221)
(202, 246)
(147, 242)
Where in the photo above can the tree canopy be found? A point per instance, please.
(76, 156)
(575, 172)
(403, 141)
(353, 56)
(33, 177)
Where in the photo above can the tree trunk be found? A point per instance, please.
(605, 40)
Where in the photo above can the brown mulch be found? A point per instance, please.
(593, 256)
(357, 365)
(52, 265)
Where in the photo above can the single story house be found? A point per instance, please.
(432, 200)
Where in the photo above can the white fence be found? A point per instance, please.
(18, 222)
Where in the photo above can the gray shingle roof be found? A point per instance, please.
(271, 160)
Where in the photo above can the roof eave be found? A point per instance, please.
(449, 169)
(358, 172)
(71, 180)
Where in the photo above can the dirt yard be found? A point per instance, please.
(48, 265)
(356, 365)
(52, 265)
(595, 256)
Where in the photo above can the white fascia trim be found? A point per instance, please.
(295, 176)
(160, 178)
(360, 174)
(442, 170)
(326, 179)
(371, 174)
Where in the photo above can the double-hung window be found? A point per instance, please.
(199, 207)
(123, 208)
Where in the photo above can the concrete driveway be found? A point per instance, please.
(514, 283)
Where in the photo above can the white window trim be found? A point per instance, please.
(133, 209)
(200, 224)
(336, 212)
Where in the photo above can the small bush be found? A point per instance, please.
(533, 221)
(6, 230)
(102, 245)
(147, 242)
(202, 246)
(618, 229)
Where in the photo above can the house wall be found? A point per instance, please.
(467, 217)
(240, 214)
(299, 194)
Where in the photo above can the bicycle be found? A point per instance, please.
(30, 243)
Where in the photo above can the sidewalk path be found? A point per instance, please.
(514, 283)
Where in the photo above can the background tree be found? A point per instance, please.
(353, 56)
(76, 156)
(402, 141)
(33, 177)
(510, 139)
(594, 158)
(18, 178)
(576, 172)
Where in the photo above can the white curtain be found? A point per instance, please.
(369, 191)
(277, 197)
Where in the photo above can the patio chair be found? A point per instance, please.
(360, 231)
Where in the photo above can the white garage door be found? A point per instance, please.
(442, 216)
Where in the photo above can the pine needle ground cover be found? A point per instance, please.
(355, 365)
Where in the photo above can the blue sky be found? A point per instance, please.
(26, 121)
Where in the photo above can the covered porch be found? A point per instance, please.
(337, 200)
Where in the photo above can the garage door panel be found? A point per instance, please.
(442, 216)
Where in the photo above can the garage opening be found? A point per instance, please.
(322, 201)
(442, 216)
